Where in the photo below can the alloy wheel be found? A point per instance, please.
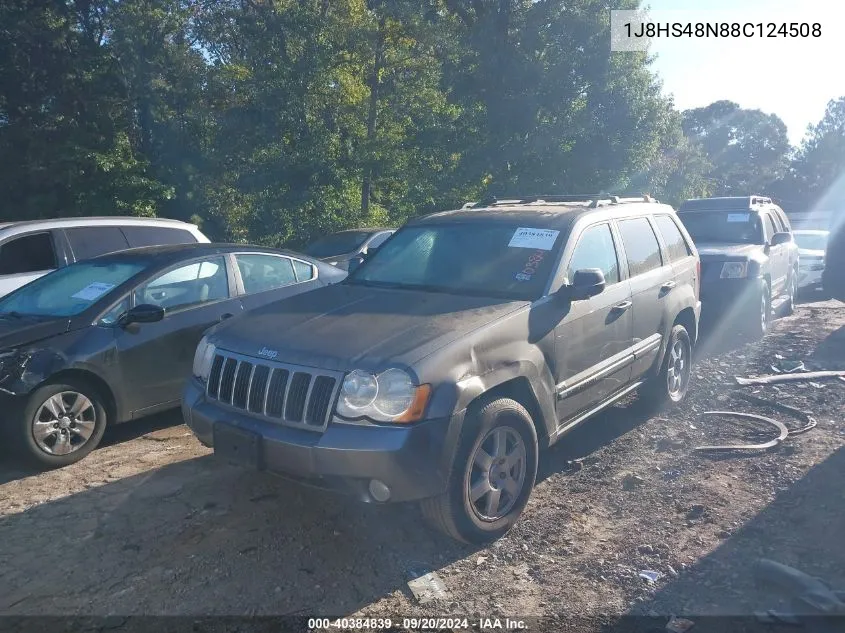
(64, 423)
(497, 473)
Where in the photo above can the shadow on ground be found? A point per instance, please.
(13, 468)
(802, 527)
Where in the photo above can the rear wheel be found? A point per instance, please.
(60, 424)
(671, 383)
(492, 476)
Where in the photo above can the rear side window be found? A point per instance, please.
(641, 246)
(264, 272)
(157, 236)
(90, 241)
(676, 245)
(595, 249)
(27, 254)
(769, 226)
(303, 271)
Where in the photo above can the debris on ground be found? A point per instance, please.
(773, 379)
(426, 586)
(783, 432)
(810, 596)
(788, 366)
(679, 625)
(632, 481)
(650, 576)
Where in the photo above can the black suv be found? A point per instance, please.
(466, 343)
(749, 260)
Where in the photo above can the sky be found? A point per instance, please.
(793, 78)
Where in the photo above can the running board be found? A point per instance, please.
(591, 412)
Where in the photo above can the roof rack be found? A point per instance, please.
(593, 200)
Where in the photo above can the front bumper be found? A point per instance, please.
(412, 461)
(727, 299)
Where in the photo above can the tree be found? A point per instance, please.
(748, 149)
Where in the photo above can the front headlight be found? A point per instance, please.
(203, 358)
(734, 270)
(391, 396)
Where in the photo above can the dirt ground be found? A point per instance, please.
(151, 523)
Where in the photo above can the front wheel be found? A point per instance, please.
(760, 311)
(60, 424)
(492, 476)
(671, 383)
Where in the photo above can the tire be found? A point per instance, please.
(789, 306)
(670, 385)
(760, 312)
(42, 444)
(453, 512)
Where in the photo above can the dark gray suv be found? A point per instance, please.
(469, 341)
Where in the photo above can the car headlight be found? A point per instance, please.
(203, 359)
(390, 396)
(734, 270)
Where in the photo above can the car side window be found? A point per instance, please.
(264, 272)
(595, 249)
(113, 316)
(304, 271)
(378, 240)
(90, 241)
(676, 245)
(769, 226)
(641, 246)
(155, 236)
(27, 254)
(189, 285)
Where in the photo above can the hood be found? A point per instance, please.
(810, 253)
(341, 327)
(15, 332)
(718, 252)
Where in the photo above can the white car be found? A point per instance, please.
(34, 248)
(811, 248)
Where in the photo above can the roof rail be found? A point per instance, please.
(593, 200)
(761, 200)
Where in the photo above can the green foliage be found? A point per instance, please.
(747, 149)
(275, 121)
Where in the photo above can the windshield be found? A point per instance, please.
(69, 291)
(337, 243)
(723, 227)
(811, 241)
(495, 260)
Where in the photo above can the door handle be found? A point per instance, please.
(621, 307)
(228, 315)
(668, 286)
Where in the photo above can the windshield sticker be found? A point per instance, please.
(93, 291)
(738, 217)
(531, 266)
(543, 239)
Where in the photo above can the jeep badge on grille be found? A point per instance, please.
(268, 353)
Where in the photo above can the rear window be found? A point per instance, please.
(91, 241)
(157, 236)
(676, 245)
(723, 227)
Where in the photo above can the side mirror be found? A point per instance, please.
(586, 283)
(144, 313)
(353, 263)
(781, 238)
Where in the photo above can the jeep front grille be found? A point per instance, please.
(288, 394)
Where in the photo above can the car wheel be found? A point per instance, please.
(792, 298)
(760, 311)
(492, 476)
(670, 385)
(61, 423)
